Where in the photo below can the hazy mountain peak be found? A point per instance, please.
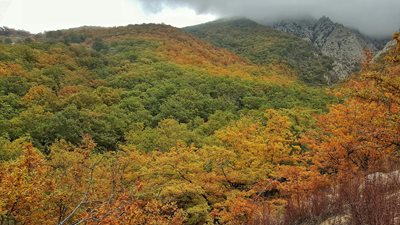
(242, 22)
(325, 19)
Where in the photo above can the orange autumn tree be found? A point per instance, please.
(23, 189)
(354, 137)
(222, 184)
(101, 188)
(74, 185)
(362, 134)
(126, 210)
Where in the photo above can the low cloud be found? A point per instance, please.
(373, 17)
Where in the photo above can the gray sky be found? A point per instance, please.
(372, 17)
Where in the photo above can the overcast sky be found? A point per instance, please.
(372, 17)
(44, 15)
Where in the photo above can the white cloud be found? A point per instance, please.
(41, 15)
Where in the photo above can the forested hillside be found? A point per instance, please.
(265, 45)
(86, 81)
(147, 124)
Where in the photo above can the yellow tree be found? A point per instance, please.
(256, 169)
(260, 147)
(23, 189)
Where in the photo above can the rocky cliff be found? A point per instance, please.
(346, 46)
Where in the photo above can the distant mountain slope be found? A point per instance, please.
(163, 42)
(346, 46)
(6, 31)
(264, 45)
(159, 40)
(9, 35)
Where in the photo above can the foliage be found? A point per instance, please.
(264, 45)
(362, 134)
(113, 126)
(51, 90)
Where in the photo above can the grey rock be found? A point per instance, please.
(346, 46)
(303, 28)
(393, 176)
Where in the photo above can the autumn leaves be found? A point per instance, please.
(156, 143)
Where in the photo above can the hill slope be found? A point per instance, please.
(106, 81)
(264, 45)
(167, 43)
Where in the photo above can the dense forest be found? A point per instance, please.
(265, 45)
(147, 124)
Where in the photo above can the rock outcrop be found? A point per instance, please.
(346, 46)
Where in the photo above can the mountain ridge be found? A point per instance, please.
(345, 45)
(265, 45)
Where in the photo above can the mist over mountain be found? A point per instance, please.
(374, 18)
